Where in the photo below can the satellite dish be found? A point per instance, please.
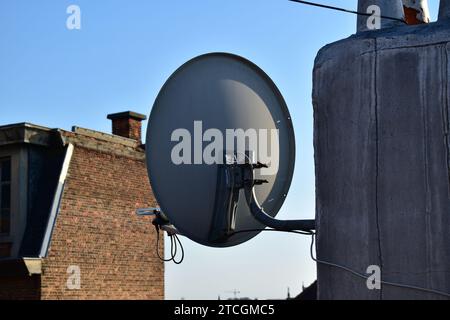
(213, 117)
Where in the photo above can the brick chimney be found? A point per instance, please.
(127, 124)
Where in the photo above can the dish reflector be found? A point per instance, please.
(214, 109)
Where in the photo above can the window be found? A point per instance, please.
(5, 195)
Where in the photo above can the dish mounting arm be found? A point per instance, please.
(260, 215)
(231, 179)
(160, 221)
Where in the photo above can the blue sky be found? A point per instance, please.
(119, 60)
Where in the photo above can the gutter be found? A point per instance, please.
(56, 202)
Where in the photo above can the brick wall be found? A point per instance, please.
(135, 130)
(97, 229)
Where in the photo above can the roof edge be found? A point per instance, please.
(25, 132)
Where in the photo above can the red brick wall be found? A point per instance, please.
(20, 287)
(97, 229)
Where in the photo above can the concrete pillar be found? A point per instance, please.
(444, 9)
(389, 8)
(381, 106)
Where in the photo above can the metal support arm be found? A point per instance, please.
(160, 221)
(283, 225)
(231, 179)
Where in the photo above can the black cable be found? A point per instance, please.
(182, 251)
(174, 242)
(173, 247)
(356, 273)
(157, 248)
(286, 231)
(345, 10)
(364, 276)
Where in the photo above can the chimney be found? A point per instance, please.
(444, 10)
(388, 8)
(127, 124)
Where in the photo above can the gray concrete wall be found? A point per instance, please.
(382, 161)
(389, 8)
(444, 9)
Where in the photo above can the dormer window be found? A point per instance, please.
(5, 196)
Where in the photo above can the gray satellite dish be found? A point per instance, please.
(197, 161)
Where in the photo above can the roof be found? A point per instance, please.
(28, 133)
(48, 157)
